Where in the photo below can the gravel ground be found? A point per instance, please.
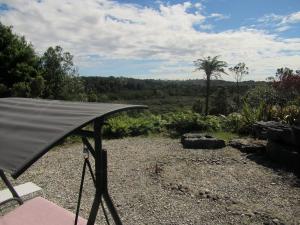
(156, 181)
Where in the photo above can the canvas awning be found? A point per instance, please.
(31, 127)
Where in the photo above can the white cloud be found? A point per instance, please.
(98, 30)
(292, 18)
(282, 28)
(270, 18)
(281, 22)
(219, 16)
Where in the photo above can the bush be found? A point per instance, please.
(232, 122)
(181, 122)
(187, 121)
(20, 89)
(250, 115)
(124, 126)
(174, 123)
(289, 114)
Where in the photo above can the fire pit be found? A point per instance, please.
(201, 141)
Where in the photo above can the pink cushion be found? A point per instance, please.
(39, 211)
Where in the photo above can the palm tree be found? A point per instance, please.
(213, 67)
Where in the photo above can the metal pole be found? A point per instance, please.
(101, 178)
(11, 189)
(98, 173)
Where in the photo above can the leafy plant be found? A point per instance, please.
(233, 122)
(250, 115)
(289, 114)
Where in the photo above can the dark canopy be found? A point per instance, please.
(30, 127)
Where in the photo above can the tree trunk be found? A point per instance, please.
(207, 94)
(238, 95)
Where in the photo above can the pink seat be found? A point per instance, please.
(39, 211)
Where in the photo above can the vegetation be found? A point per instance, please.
(176, 107)
(239, 71)
(213, 68)
(26, 74)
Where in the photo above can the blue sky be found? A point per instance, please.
(161, 39)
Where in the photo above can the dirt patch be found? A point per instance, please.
(156, 181)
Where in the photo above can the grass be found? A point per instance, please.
(226, 136)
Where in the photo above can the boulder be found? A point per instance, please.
(281, 134)
(201, 141)
(260, 129)
(296, 132)
(248, 145)
(276, 131)
(286, 155)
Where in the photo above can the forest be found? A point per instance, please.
(175, 106)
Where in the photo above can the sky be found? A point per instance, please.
(161, 39)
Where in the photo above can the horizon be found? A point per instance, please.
(159, 79)
(161, 39)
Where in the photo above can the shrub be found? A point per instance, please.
(232, 122)
(250, 115)
(181, 122)
(124, 126)
(21, 89)
(289, 114)
(187, 121)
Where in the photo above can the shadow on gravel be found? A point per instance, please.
(263, 160)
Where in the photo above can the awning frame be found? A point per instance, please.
(99, 174)
(75, 131)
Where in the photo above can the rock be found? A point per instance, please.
(260, 128)
(286, 155)
(206, 191)
(215, 197)
(278, 132)
(248, 145)
(296, 132)
(283, 134)
(201, 141)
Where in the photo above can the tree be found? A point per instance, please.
(287, 83)
(239, 71)
(62, 81)
(73, 89)
(20, 89)
(37, 86)
(18, 63)
(213, 68)
(221, 104)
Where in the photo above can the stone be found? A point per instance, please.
(278, 132)
(282, 134)
(248, 145)
(260, 128)
(285, 155)
(201, 141)
(296, 132)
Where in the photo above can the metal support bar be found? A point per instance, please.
(89, 146)
(84, 133)
(80, 191)
(15, 195)
(100, 179)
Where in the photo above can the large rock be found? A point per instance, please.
(286, 155)
(201, 141)
(278, 132)
(281, 134)
(248, 145)
(261, 128)
(296, 132)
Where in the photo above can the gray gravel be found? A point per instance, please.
(156, 181)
